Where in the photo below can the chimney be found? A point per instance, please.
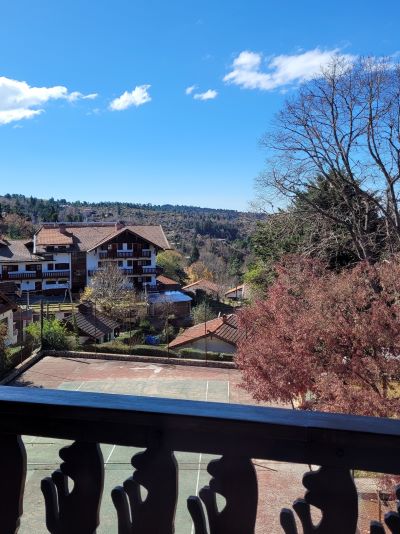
(62, 228)
(224, 318)
(85, 308)
(118, 226)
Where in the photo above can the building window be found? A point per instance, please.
(50, 282)
(34, 267)
(61, 266)
(50, 266)
(120, 263)
(129, 246)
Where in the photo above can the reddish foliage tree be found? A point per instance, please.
(326, 341)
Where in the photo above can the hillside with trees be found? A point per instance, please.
(219, 238)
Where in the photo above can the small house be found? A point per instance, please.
(170, 303)
(217, 335)
(92, 326)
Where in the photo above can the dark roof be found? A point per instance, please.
(95, 326)
(224, 328)
(87, 236)
(6, 304)
(10, 289)
(17, 250)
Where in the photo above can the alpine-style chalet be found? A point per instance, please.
(66, 256)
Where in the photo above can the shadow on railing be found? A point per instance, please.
(239, 433)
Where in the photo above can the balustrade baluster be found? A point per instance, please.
(13, 474)
(75, 511)
(235, 479)
(332, 491)
(157, 472)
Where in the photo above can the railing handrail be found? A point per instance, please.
(335, 440)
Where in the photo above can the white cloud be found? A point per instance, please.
(210, 94)
(280, 70)
(189, 90)
(19, 100)
(76, 95)
(137, 97)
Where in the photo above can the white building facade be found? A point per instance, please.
(66, 257)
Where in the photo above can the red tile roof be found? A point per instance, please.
(87, 236)
(165, 281)
(204, 285)
(224, 328)
(53, 236)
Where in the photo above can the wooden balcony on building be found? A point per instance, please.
(33, 275)
(123, 254)
(56, 274)
(21, 275)
(130, 271)
(237, 433)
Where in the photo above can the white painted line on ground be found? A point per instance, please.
(109, 456)
(199, 466)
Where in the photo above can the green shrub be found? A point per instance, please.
(112, 347)
(147, 350)
(135, 337)
(116, 347)
(146, 327)
(55, 335)
(167, 334)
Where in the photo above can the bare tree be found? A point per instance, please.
(110, 289)
(343, 126)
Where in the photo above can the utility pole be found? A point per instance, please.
(41, 323)
(205, 329)
(95, 327)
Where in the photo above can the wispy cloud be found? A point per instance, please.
(189, 90)
(283, 70)
(19, 100)
(76, 95)
(137, 97)
(210, 94)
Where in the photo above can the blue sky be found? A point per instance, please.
(106, 111)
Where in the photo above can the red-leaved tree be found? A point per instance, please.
(326, 341)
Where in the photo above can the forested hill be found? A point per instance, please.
(186, 226)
